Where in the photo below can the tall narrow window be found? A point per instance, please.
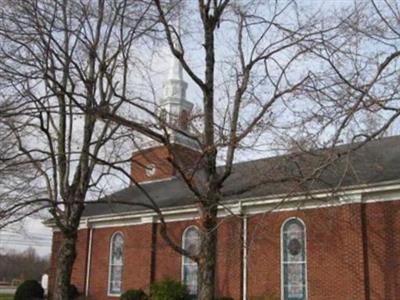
(294, 268)
(191, 243)
(116, 264)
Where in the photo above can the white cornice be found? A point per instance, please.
(175, 139)
(380, 192)
(158, 180)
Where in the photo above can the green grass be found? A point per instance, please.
(6, 297)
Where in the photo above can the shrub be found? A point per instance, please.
(72, 292)
(29, 290)
(133, 295)
(168, 289)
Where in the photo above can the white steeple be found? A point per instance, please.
(174, 108)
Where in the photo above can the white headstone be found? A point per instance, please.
(45, 283)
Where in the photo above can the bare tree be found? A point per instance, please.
(358, 90)
(253, 70)
(59, 60)
(268, 74)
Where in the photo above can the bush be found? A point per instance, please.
(72, 292)
(133, 295)
(223, 298)
(168, 289)
(29, 290)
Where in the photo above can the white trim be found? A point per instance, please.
(89, 260)
(147, 145)
(109, 264)
(173, 141)
(381, 196)
(244, 258)
(282, 254)
(184, 247)
(251, 206)
(118, 220)
(147, 220)
(157, 180)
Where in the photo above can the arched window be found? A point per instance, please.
(191, 243)
(294, 261)
(116, 264)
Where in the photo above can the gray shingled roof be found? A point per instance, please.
(376, 162)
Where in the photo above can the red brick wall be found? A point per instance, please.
(383, 221)
(229, 258)
(157, 156)
(137, 258)
(336, 248)
(79, 270)
(161, 157)
(168, 262)
(333, 249)
(337, 267)
(53, 261)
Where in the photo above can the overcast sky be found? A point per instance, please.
(31, 232)
(28, 233)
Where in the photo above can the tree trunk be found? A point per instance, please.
(208, 254)
(65, 262)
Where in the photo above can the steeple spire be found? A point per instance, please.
(174, 108)
(176, 70)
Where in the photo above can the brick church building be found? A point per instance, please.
(274, 240)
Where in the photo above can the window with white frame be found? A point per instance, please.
(294, 262)
(191, 243)
(116, 264)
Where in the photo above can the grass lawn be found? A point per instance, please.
(6, 297)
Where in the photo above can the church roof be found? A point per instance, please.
(297, 173)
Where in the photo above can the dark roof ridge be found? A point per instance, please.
(297, 153)
(376, 162)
